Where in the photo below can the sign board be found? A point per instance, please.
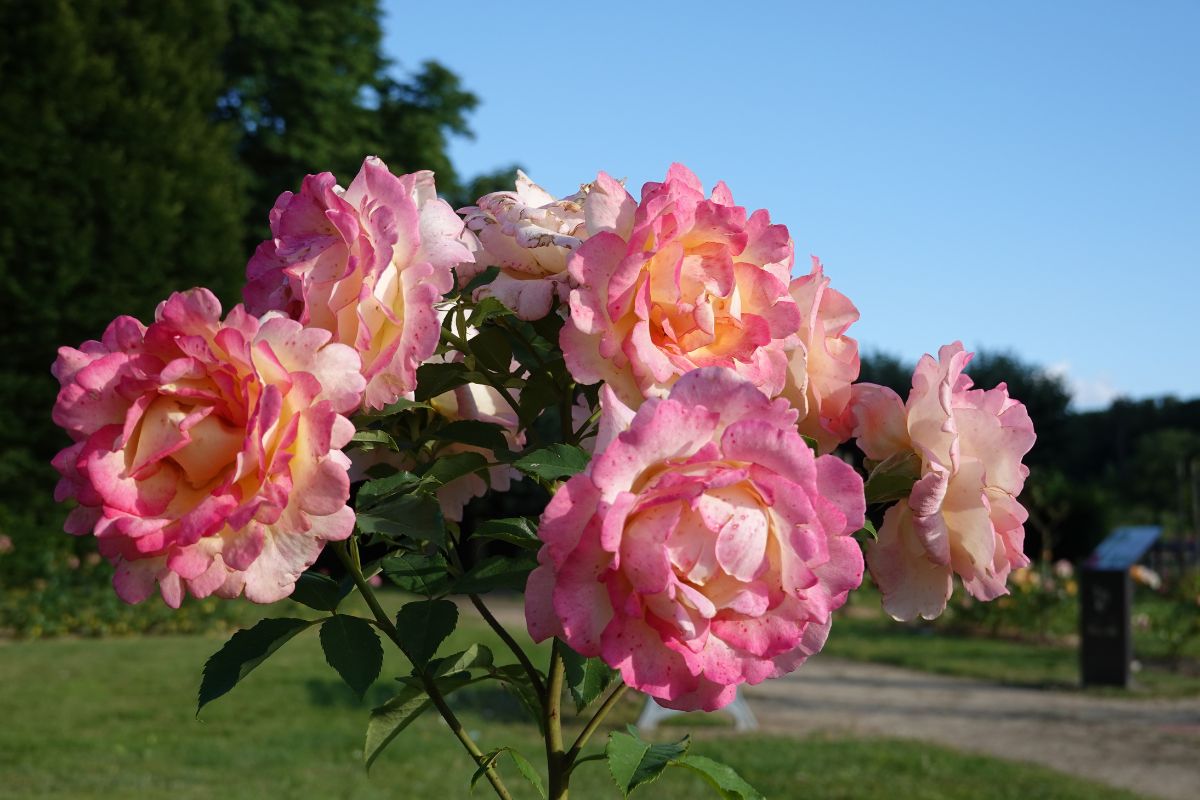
(1123, 548)
(1105, 600)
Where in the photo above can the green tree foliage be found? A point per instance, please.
(143, 146)
(310, 90)
(119, 189)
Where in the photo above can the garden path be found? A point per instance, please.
(1150, 746)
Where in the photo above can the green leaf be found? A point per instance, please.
(868, 529)
(520, 531)
(376, 437)
(244, 651)
(496, 572)
(435, 379)
(893, 478)
(587, 678)
(423, 625)
(352, 648)
(447, 468)
(526, 769)
(729, 785)
(487, 435)
(492, 350)
(320, 592)
(412, 516)
(553, 462)
(417, 573)
(389, 719)
(540, 392)
(633, 762)
(372, 492)
(530, 774)
(487, 308)
(474, 657)
(392, 410)
(515, 679)
(812, 443)
(531, 350)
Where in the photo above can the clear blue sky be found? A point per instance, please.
(1020, 175)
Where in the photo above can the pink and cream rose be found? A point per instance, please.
(366, 263)
(822, 368)
(206, 454)
(962, 516)
(691, 282)
(704, 547)
(529, 235)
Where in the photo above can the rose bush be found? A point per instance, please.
(705, 546)
(690, 282)
(206, 452)
(649, 367)
(962, 516)
(366, 263)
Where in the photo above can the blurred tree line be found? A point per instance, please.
(1135, 462)
(143, 143)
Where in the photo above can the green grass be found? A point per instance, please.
(112, 718)
(863, 633)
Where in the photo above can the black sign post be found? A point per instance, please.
(1105, 599)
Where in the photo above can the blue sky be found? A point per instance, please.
(1017, 175)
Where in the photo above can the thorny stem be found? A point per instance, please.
(593, 723)
(495, 625)
(587, 424)
(556, 762)
(507, 638)
(349, 557)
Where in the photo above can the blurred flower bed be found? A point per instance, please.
(57, 585)
(1043, 607)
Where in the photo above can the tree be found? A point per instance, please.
(144, 145)
(119, 188)
(310, 90)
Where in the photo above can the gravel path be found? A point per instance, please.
(1149, 746)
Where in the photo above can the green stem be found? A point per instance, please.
(566, 407)
(507, 638)
(587, 424)
(556, 764)
(593, 723)
(349, 557)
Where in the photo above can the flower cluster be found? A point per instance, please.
(710, 538)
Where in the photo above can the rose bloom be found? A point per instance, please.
(703, 548)
(367, 264)
(529, 235)
(690, 282)
(962, 516)
(206, 452)
(825, 363)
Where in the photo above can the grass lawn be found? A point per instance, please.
(862, 632)
(114, 718)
